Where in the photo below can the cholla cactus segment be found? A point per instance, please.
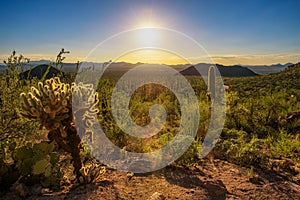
(92, 172)
(50, 103)
(84, 96)
(84, 100)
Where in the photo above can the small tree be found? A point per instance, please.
(11, 88)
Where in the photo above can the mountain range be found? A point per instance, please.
(267, 69)
(225, 71)
(122, 67)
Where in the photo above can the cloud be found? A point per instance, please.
(258, 59)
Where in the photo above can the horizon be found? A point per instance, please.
(43, 61)
(231, 33)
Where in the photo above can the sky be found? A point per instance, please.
(248, 32)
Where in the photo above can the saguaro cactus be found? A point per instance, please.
(211, 82)
(51, 104)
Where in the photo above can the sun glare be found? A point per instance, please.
(147, 25)
(147, 37)
(153, 56)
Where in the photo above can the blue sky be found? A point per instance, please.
(232, 31)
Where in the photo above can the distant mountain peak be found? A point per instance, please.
(225, 71)
(39, 72)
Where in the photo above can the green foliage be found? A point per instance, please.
(284, 145)
(236, 146)
(190, 157)
(255, 106)
(258, 107)
(10, 120)
(139, 105)
(38, 162)
(14, 130)
(250, 152)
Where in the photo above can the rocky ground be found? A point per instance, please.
(215, 179)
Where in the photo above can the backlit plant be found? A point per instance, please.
(51, 104)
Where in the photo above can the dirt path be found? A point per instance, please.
(209, 180)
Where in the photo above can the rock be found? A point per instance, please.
(215, 188)
(236, 171)
(21, 190)
(129, 175)
(47, 190)
(36, 189)
(256, 180)
(157, 196)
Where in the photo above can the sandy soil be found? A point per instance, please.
(215, 179)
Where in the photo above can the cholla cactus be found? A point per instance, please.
(91, 173)
(84, 102)
(51, 104)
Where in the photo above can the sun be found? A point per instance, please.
(148, 37)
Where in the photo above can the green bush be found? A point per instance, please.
(38, 163)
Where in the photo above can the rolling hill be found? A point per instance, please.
(267, 69)
(39, 71)
(225, 71)
(285, 79)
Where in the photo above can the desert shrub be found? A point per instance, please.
(285, 145)
(14, 129)
(250, 153)
(229, 144)
(238, 147)
(259, 106)
(38, 163)
(11, 123)
(190, 157)
(140, 102)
